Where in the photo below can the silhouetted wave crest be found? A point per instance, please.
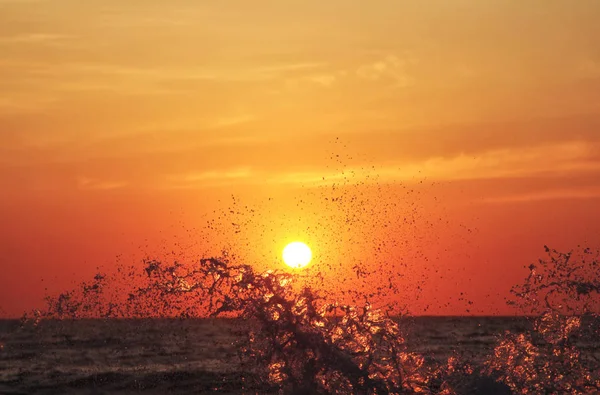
(295, 340)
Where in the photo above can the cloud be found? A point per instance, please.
(554, 194)
(90, 183)
(287, 67)
(574, 156)
(34, 38)
(36, 78)
(389, 68)
(21, 1)
(326, 80)
(210, 178)
(551, 159)
(25, 104)
(232, 120)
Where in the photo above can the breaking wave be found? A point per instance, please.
(294, 339)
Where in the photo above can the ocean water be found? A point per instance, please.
(180, 356)
(119, 356)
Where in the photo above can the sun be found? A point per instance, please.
(297, 255)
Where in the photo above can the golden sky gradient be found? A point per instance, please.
(114, 109)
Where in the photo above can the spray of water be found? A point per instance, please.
(295, 340)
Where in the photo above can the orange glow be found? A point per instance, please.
(436, 147)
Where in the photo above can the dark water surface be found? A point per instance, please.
(178, 356)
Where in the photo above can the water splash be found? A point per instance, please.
(562, 293)
(295, 339)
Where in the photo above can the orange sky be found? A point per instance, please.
(123, 123)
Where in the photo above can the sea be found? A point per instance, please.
(187, 356)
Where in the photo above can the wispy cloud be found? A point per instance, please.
(210, 178)
(38, 77)
(326, 80)
(391, 68)
(34, 38)
(232, 120)
(523, 161)
(559, 159)
(90, 183)
(589, 68)
(21, 1)
(24, 103)
(555, 194)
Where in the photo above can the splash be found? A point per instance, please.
(563, 295)
(295, 340)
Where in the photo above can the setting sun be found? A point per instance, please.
(297, 255)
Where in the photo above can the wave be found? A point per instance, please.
(294, 339)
